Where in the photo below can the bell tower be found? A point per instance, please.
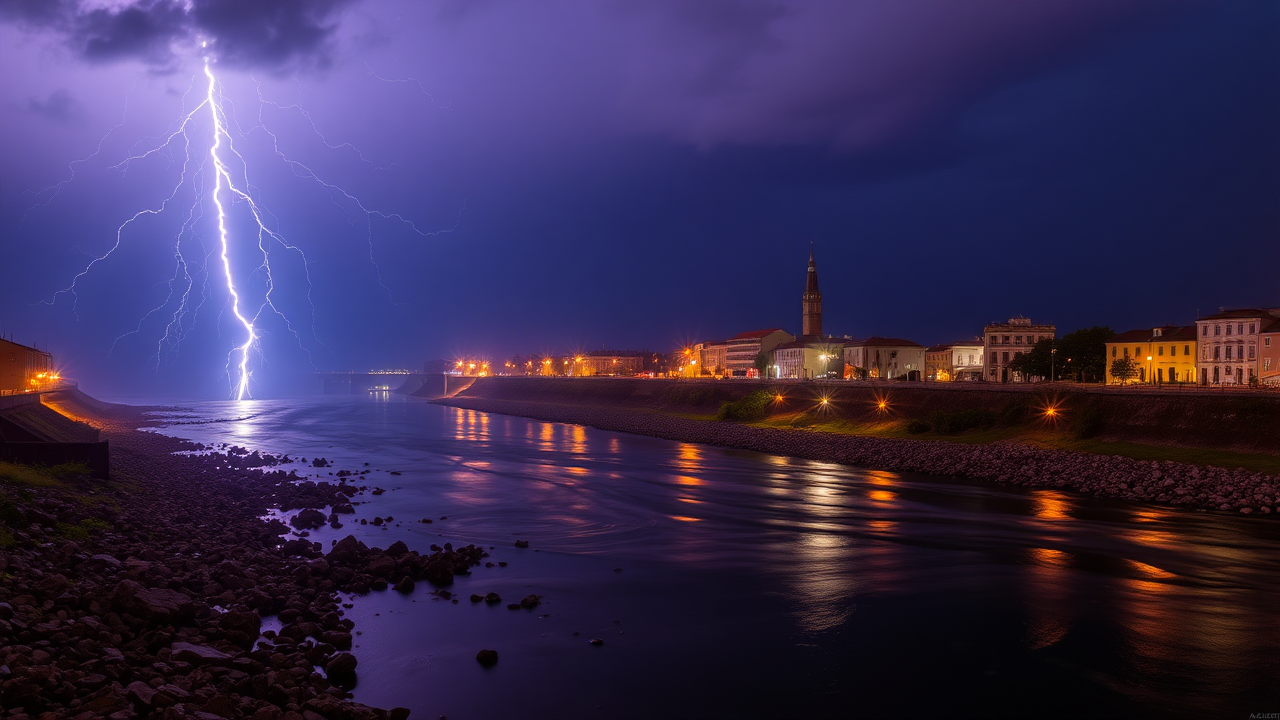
(811, 323)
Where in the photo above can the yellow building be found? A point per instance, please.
(1160, 355)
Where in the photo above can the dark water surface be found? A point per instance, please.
(760, 586)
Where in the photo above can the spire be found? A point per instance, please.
(812, 303)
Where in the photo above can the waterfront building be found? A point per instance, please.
(1163, 355)
(713, 357)
(808, 359)
(884, 358)
(741, 350)
(1002, 342)
(954, 361)
(1228, 344)
(1269, 356)
(611, 362)
(23, 368)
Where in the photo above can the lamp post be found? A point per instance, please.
(1053, 357)
(1150, 378)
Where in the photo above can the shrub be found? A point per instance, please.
(1086, 423)
(950, 423)
(1014, 412)
(915, 427)
(751, 408)
(10, 515)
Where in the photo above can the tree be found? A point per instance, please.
(1036, 362)
(1082, 355)
(762, 365)
(1124, 368)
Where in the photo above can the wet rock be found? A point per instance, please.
(522, 543)
(405, 585)
(440, 572)
(343, 663)
(309, 519)
(159, 605)
(197, 654)
(381, 566)
(140, 694)
(343, 509)
(492, 598)
(487, 658)
(475, 598)
(397, 548)
(531, 601)
(347, 551)
(596, 641)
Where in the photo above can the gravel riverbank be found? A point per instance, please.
(145, 595)
(1012, 463)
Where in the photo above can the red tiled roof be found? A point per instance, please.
(1240, 313)
(755, 334)
(1168, 332)
(886, 342)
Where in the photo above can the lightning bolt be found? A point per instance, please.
(231, 186)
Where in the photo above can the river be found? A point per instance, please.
(735, 584)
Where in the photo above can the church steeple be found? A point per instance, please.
(811, 323)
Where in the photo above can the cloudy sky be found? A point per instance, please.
(503, 177)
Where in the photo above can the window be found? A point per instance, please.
(1240, 329)
(993, 360)
(1113, 351)
(1137, 351)
(1126, 352)
(1251, 330)
(1017, 339)
(1005, 341)
(995, 340)
(1250, 352)
(1204, 331)
(1217, 352)
(1228, 329)
(1186, 349)
(1005, 358)
(1160, 351)
(1266, 342)
(1217, 330)
(1228, 352)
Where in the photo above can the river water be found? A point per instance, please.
(735, 584)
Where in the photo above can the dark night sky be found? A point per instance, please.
(634, 174)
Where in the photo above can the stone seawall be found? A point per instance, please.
(1164, 482)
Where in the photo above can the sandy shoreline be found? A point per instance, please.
(1164, 482)
(144, 595)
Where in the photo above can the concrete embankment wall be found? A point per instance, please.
(1246, 422)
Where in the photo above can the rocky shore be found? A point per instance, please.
(1165, 482)
(144, 595)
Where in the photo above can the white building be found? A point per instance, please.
(1002, 342)
(1227, 345)
(884, 358)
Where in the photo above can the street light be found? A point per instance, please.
(1053, 356)
(1151, 380)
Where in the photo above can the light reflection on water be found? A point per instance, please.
(1012, 591)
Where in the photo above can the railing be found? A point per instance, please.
(46, 387)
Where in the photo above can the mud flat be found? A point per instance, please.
(601, 406)
(145, 595)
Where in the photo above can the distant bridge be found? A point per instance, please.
(403, 383)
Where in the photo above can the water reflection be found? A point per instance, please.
(1140, 600)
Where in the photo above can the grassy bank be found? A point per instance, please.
(1221, 431)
